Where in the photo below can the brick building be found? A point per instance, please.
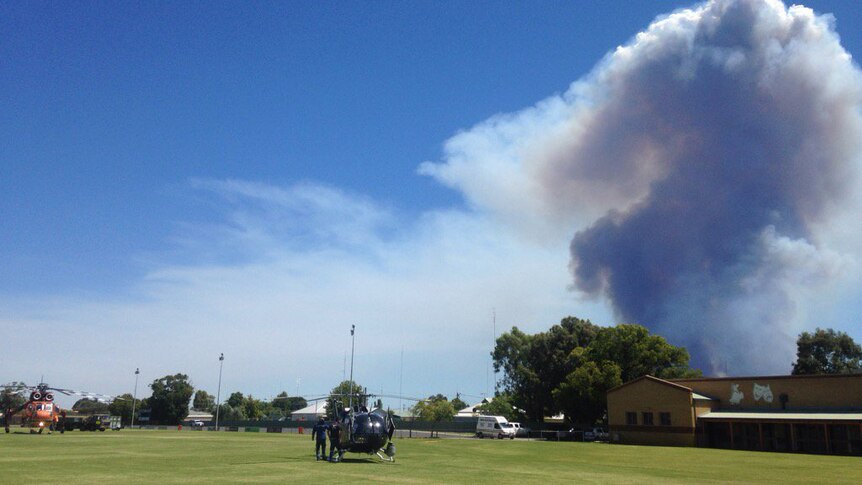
(809, 414)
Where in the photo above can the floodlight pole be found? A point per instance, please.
(135, 397)
(352, 346)
(218, 393)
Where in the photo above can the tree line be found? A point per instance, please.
(567, 369)
(169, 403)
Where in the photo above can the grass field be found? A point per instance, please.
(205, 457)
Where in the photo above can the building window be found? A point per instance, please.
(631, 419)
(647, 419)
(664, 419)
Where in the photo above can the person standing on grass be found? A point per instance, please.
(334, 440)
(318, 433)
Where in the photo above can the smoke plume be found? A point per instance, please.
(701, 166)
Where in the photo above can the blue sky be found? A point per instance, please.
(163, 166)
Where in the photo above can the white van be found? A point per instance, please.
(494, 426)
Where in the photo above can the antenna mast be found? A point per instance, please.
(352, 346)
(494, 344)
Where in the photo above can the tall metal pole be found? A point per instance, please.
(135, 397)
(218, 393)
(494, 346)
(352, 342)
(400, 383)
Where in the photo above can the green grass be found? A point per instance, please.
(205, 457)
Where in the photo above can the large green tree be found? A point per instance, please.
(637, 353)
(582, 396)
(544, 373)
(170, 399)
(827, 352)
(534, 365)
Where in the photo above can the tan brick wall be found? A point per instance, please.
(802, 391)
(647, 395)
(658, 438)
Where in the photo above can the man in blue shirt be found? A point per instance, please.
(318, 433)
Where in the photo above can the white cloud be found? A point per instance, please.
(315, 260)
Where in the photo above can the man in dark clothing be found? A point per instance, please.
(318, 433)
(334, 440)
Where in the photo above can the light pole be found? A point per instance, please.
(218, 394)
(352, 342)
(135, 397)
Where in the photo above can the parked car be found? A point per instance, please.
(595, 434)
(197, 423)
(494, 427)
(520, 431)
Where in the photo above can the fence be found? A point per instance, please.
(404, 428)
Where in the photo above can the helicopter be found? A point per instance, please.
(40, 411)
(364, 431)
(361, 430)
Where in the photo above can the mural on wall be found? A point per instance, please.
(735, 394)
(762, 392)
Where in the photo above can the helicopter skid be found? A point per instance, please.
(385, 457)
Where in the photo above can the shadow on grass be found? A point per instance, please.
(370, 460)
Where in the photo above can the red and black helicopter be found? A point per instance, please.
(40, 412)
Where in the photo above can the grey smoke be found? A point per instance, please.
(702, 165)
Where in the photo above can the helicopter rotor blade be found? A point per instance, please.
(104, 398)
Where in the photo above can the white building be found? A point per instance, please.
(311, 413)
(471, 411)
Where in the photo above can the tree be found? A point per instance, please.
(582, 397)
(170, 399)
(9, 398)
(236, 399)
(435, 409)
(340, 397)
(534, 365)
(637, 353)
(230, 413)
(253, 408)
(90, 406)
(203, 401)
(458, 404)
(540, 371)
(500, 405)
(288, 404)
(122, 406)
(827, 352)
